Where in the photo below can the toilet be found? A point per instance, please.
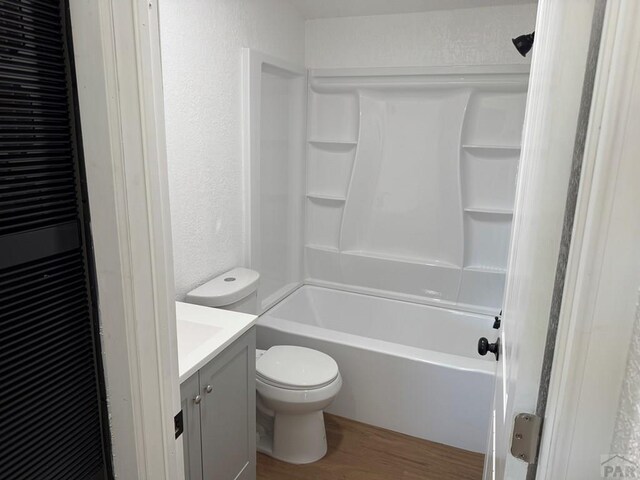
(293, 384)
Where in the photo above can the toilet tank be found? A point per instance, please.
(234, 290)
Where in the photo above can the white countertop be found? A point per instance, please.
(205, 332)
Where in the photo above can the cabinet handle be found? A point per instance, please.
(209, 388)
(197, 399)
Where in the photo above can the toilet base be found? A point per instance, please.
(298, 438)
(264, 431)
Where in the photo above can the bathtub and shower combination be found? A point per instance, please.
(380, 214)
(406, 367)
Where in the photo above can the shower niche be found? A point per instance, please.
(402, 184)
(411, 180)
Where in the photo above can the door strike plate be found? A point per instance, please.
(178, 423)
(526, 437)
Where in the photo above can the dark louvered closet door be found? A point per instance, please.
(52, 422)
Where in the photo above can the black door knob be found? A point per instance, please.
(484, 346)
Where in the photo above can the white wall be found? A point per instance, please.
(472, 36)
(201, 58)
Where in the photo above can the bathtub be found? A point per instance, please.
(406, 367)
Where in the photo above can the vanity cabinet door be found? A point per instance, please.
(190, 403)
(228, 412)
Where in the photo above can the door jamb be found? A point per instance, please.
(119, 78)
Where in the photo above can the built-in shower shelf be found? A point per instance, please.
(323, 248)
(333, 143)
(407, 259)
(490, 211)
(328, 198)
(514, 148)
(485, 269)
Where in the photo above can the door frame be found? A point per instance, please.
(119, 83)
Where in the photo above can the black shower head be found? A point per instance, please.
(523, 43)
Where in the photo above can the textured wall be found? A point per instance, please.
(472, 36)
(201, 59)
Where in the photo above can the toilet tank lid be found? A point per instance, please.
(225, 289)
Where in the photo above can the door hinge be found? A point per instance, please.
(525, 442)
(178, 424)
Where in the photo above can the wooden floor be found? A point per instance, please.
(358, 451)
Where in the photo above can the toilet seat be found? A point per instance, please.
(296, 368)
(299, 399)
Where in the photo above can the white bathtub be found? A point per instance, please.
(407, 367)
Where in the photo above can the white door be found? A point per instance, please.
(563, 33)
(592, 420)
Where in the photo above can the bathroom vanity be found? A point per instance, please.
(216, 350)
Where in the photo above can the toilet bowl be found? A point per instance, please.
(293, 384)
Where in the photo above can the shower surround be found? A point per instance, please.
(411, 180)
